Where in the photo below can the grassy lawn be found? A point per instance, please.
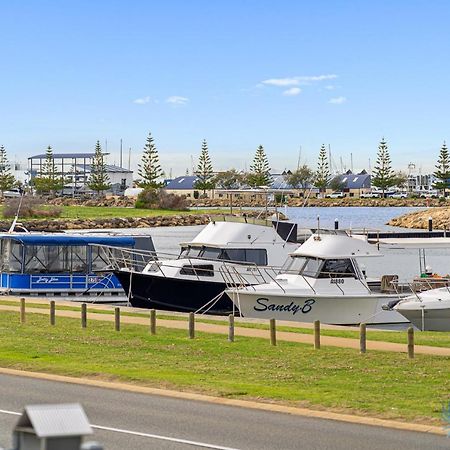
(431, 338)
(99, 212)
(382, 384)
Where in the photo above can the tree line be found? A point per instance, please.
(49, 181)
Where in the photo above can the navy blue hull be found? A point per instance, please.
(174, 294)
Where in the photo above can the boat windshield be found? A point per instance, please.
(256, 256)
(305, 266)
(322, 268)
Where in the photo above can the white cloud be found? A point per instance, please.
(142, 100)
(331, 76)
(281, 81)
(177, 100)
(337, 100)
(292, 91)
(330, 87)
(296, 81)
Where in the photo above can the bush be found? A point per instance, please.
(154, 199)
(147, 199)
(30, 207)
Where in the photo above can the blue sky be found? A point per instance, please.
(242, 73)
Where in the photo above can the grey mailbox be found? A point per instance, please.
(51, 427)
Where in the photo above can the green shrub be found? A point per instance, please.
(160, 199)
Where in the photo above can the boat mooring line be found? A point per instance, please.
(148, 435)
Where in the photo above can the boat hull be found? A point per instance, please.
(175, 294)
(344, 310)
(433, 320)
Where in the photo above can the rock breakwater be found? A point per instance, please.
(419, 219)
(105, 223)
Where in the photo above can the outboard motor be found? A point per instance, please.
(390, 305)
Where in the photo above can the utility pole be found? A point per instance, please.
(129, 159)
(351, 162)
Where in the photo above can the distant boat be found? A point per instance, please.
(61, 264)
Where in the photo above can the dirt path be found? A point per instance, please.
(223, 329)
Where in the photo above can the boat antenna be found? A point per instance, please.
(16, 217)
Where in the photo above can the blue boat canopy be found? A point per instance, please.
(64, 239)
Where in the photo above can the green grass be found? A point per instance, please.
(380, 384)
(99, 212)
(431, 338)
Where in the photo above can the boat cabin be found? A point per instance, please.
(59, 263)
(328, 260)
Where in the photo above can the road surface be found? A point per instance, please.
(125, 420)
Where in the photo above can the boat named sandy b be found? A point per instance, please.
(322, 281)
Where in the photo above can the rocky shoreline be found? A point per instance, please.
(224, 203)
(419, 219)
(105, 223)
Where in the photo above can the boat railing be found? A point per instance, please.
(420, 285)
(132, 260)
(241, 219)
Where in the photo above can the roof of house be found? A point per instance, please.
(354, 180)
(65, 155)
(187, 182)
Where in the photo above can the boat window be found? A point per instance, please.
(47, 259)
(312, 267)
(11, 256)
(294, 265)
(257, 256)
(201, 270)
(337, 268)
(190, 252)
(79, 259)
(210, 253)
(100, 260)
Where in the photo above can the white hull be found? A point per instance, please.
(433, 320)
(429, 311)
(343, 310)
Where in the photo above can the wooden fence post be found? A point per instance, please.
(52, 312)
(22, 310)
(411, 342)
(273, 332)
(152, 321)
(117, 318)
(362, 338)
(191, 325)
(83, 315)
(231, 328)
(317, 334)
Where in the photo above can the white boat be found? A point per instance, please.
(223, 252)
(323, 281)
(428, 311)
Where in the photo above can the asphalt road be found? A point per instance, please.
(139, 421)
